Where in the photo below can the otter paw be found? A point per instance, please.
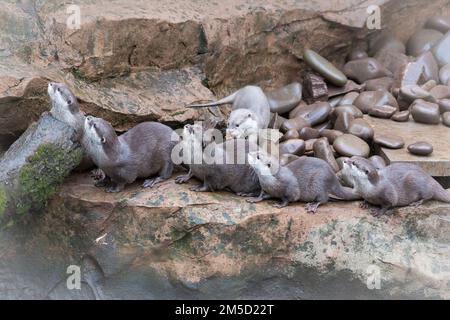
(199, 188)
(364, 205)
(246, 194)
(311, 207)
(416, 204)
(254, 200)
(97, 174)
(114, 189)
(182, 179)
(150, 183)
(280, 205)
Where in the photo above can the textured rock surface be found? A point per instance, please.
(34, 166)
(172, 242)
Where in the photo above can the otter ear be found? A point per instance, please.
(103, 140)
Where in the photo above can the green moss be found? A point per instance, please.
(41, 176)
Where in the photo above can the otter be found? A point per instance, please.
(141, 152)
(65, 108)
(305, 179)
(396, 185)
(251, 111)
(229, 174)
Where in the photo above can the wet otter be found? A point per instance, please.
(305, 179)
(141, 152)
(395, 185)
(251, 111)
(226, 173)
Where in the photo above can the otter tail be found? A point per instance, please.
(229, 99)
(440, 194)
(344, 193)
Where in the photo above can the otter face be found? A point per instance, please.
(242, 123)
(62, 96)
(360, 169)
(263, 163)
(192, 133)
(99, 132)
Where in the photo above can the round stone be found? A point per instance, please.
(446, 118)
(365, 69)
(444, 74)
(401, 116)
(425, 112)
(389, 141)
(330, 134)
(294, 124)
(343, 121)
(346, 108)
(325, 68)
(356, 54)
(444, 105)
(420, 148)
(422, 41)
(361, 129)
(293, 146)
(369, 99)
(318, 113)
(348, 98)
(350, 145)
(383, 84)
(322, 150)
(290, 134)
(412, 92)
(384, 111)
(287, 158)
(441, 50)
(308, 133)
(440, 92)
(440, 23)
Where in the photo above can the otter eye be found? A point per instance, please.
(59, 89)
(268, 165)
(103, 140)
(367, 171)
(257, 157)
(249, 115)
(69, 101)
(237, 126)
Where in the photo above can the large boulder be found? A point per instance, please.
(34, 167)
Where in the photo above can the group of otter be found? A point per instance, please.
(145, 151)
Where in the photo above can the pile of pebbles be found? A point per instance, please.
(383, 78)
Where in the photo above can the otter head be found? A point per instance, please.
(64, 104)
(361, 169)
(62, 97)
(202, 132)
(263, 163)
(100, 133)
(242, 123)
